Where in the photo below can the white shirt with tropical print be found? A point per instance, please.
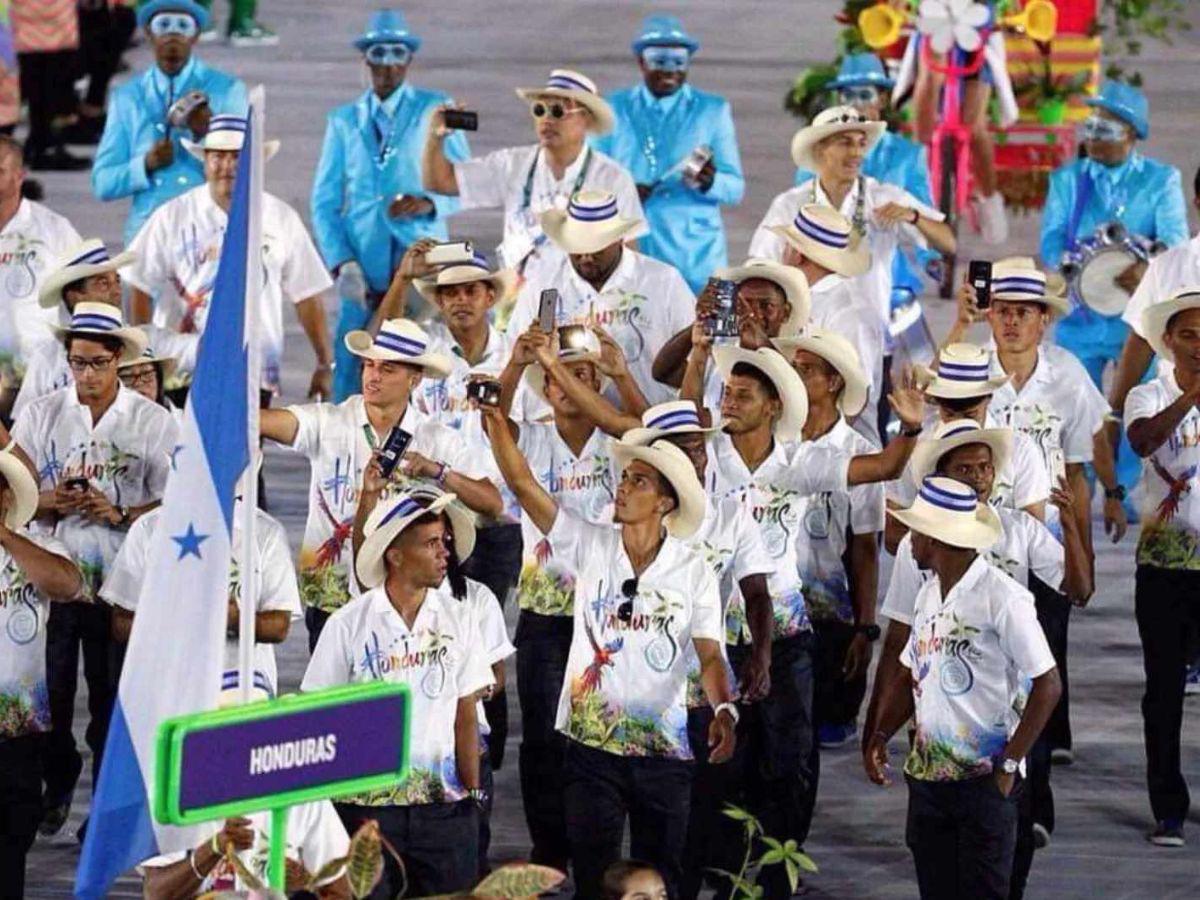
(497, 645)
(968, 654)
(126, 455)
(1170, 536)
(625, 689)
(441, 658)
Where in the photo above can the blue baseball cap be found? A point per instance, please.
(663, 31)
(387, 26)
(1125, 102)
(148, 11)
(861, 69)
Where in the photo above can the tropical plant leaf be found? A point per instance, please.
(327, 871)
(248, 878)
(517, 881)
(364, 867)
(806, 862)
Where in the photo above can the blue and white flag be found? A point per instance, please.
(176, 649)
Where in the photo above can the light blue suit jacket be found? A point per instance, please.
(137, 118)
(650, 137)
(357, 178)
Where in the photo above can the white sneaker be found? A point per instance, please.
(993, 222)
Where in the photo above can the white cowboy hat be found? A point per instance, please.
(168, 363)
(826, 237)
(225, 132)
(587, 349)
(674, 465)
(963, 371)
(82, 261)
(839, 353)
(829, 122)
(402, 341)
(23, 487)
(395, 514)
(102, 320)
(673, 417)
(568, 84)
(590, 223)
(502, 281)
(1157, 317)
(787, 381)
(789, 279)
(1017, 279)
(949, 511)
(959, 433)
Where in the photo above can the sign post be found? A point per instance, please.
(278, 753)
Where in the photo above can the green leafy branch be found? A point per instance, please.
(785, 853)
(1131, 23)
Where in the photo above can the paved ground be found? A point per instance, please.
(479, 52)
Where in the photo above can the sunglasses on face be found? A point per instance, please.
(629, 589)
(666, 59)
(554, 110)
(1098, 128)
(389, 54)
(173, 23)
(858, 96)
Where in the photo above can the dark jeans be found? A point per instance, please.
(1167, 606)
(73, 626)
(1054, 614)
(314, 621)
(543, 643)
(438, 843)
(602, 790)
(47, 85)
(20, 807)
(775, 760)
(712, 838)
(836, 701)
(962, 835)
(1030, 810)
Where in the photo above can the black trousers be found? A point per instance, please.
(712, 838)
(836, 701)
(543, 643)
(47, 86)
(1167, 606)
(1054, 615)
(75, 627)
(962, 835)
(103, 34)
(602, 791)
(438, 843)
(775, 760)
(20, 807)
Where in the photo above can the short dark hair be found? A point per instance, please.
(79, 284)
(961, 404)
(612, 882)
(756, 374)
(107, 341)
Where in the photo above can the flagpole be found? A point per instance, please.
(254, 281)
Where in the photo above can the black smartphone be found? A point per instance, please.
(547, 309)
(393, 449)
(723, 323)
(76, 484)
(461, 120)
(484, 391)
(979, 275)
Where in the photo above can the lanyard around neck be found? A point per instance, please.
(527, 192)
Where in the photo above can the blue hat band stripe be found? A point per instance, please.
(821, 235)
(406, 346)
(95, 322)
(562, 83)
(593, 213)
(227, 123)
(1016, 284)
(91, 258)
(675, 419)
(946, 500)
(963, 371)
(405, 507)
(962, 429)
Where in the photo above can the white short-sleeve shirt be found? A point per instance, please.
(1170, 485)
(625, 689)
(969, 655)
(126, 456)
(519, 180)
(1171, 271)
(179, 248)
(496, 645)
(440, 658)
(277, 591)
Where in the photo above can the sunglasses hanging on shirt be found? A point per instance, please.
(174, 23)
(388, 54)
(666, 59)
(629, 589)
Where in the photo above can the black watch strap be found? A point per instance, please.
(1117, 493)
(872, 631)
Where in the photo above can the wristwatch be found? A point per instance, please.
(478, 796)
(123, 512)
(1117, 493)
(911, 431)
(728, 707)
(1009, 766)
(871, 631)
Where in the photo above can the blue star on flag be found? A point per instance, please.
(189, 542)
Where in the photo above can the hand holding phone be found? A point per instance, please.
(450, 254)
(979, 276)
(392, 450)
(547, 310)
(484, 391)
(461, 119)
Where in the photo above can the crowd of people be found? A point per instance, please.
(684, 473)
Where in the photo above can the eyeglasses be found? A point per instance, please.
(864, 95)
(173, 23)
(629, 589)
(81, 364)
(135, 377)
(666, 59)
(540, 110)
(389, 54)
(1098, 128)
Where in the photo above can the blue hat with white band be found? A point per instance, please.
(962, 371)
(950, 512)
(387, 26)
(664, 31)
(401, 341)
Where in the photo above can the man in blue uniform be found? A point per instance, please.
(1115, 183)
(368, 204)
(140, 153)
(658, 125)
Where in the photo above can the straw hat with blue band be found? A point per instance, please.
(567, 84)
(24, 489)
(789, 279)
(590, 223)
(1157, 317)
(1127, 103)
(859, 70)
(949, 511)
(102, 320)
(148, 11)
(1017, 279)
(673, 417)
(663, 31)
(675, 466)
(959, 433)
(227, 133)
(963, 371)
(503, 281)
(397, 512)
(839, 353)
(81, 261)
(826, 237)
(788, 383)
(399, 341)
(835, 120)
(387, 26)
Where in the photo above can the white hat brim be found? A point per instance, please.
(684, 521)
(369, 564)
(849, 263)
(856, 385)
(1157, 316)
(197, 148)
(362, 344)
(978, 533)
(788, 384)
(572, 236)
(50, 293)
(503, 282)
(168, 363)
(790, 279)
(24, 488)
(602, 114)
(807, 138)
(928, 451)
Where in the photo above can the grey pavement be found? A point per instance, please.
(479, 52)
